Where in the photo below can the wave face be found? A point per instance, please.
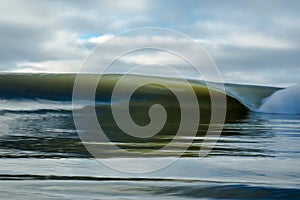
(48, 88)
(58, 87)
(36, 86)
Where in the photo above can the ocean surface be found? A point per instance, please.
(257, 155)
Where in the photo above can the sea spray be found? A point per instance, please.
(285, 101)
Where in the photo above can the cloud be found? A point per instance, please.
(253, 42)
(250, 40)
(49, 30)
(57, 66)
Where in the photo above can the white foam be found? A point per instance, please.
(40, 104)
(30, 105)
(285, 101)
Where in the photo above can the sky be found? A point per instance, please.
(251, 42)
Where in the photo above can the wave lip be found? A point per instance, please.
(285, 101)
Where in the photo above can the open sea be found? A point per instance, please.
(257, 155)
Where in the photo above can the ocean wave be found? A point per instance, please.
(25, 92)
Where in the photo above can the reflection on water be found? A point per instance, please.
(257, 156)
(40, 134)
(52, 134)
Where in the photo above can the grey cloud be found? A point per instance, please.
(40, 31)
(19, 41)
(26, 27)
